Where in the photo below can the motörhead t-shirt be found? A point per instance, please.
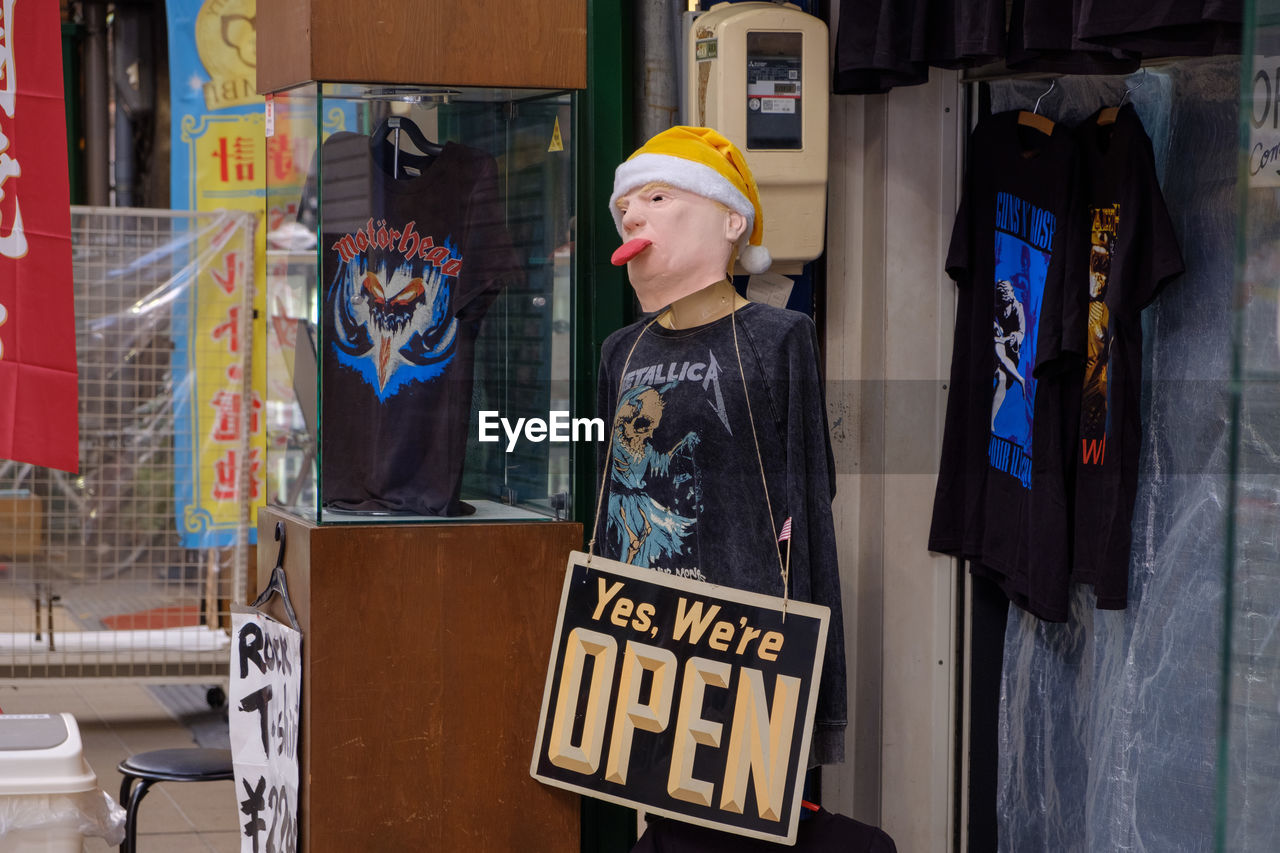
(411, 265)
(684, 489)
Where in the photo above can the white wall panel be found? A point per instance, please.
(888, 330)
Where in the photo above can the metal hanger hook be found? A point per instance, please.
(280, 537)
(1130, 89)
(279, 583)
(1052, 85)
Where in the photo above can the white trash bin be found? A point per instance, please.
(49, 796)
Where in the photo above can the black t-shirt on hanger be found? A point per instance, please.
(1133, 255)
(1168, 28)
(411, 263)
(1041, 38)
(965, 34)
(880, 45)
(1002, 493)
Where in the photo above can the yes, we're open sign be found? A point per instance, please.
(681, 698)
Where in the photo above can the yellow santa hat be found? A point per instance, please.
(702, 161)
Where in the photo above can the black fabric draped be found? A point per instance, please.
(881, 44)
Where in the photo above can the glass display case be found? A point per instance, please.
(420, 267)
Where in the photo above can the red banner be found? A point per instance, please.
(38, 415)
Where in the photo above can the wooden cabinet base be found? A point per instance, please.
(424, 657)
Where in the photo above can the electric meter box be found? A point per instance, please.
(757, 72)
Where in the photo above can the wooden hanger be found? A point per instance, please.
(1108, 115)
(1033, 119)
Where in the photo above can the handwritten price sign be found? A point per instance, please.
(266, 680)
(682, 698)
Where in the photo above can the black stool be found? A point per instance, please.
(165, 765)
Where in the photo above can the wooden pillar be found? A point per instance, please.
(424, 658)
(539, 44)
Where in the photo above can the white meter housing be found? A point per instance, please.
(758, 74)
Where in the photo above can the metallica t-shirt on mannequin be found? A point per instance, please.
(1001, 500)
(411, 265)
(683, 485)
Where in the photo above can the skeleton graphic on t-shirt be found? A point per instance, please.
(647, 529)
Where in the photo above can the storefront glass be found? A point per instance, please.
(1109, 722)
(1250, 758)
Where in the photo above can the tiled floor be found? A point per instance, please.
(116, 720)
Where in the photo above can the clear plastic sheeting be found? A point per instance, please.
(1109, 723)
(48, 821)
(150, 535)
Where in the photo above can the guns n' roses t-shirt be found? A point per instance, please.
(1002, 494)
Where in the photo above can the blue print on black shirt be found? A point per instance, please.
(1024, 235)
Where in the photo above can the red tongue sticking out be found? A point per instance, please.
(629, 250)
